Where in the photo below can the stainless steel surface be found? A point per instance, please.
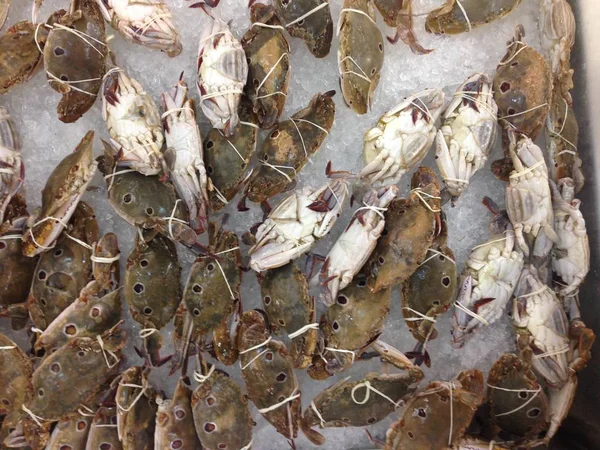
(581, 430)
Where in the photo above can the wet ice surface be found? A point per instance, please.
(46, 141)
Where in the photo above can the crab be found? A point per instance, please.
(437, 417)
(488, 281)
(294, 226)
(12, 171)
(183, 156)
(360, 56)
(557, 26)
(571, 254)
(65, 186)
(358, 403)
(528, 198)
(133, 123)
(222, 74)
(460, 16)
(467, 134)
(70, 432)
(353, 248)
(103, 429)
(75, 57)
(402, 138)
(145, 22)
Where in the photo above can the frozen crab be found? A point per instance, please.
(71, 432)
(133, 123)
(353, 248)
(557, 25)
(571, 254)
(358, 403)
(222, 74)
(467, 134)
(543, 332)
(145, 22)
(402, 138)
(294, 226)
(75, 57)
(360, 56)
(562, 138)
(460, 16)
(183, 156)
(20, 56)
(528, 198)
(488, 281)
(437, 417)
(12, 170)
(65, 186)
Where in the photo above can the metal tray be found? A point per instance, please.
(581, 430)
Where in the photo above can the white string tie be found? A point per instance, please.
(523, 405)
(136, 398)
(292, 397)
(11, 236)
(147, 332)
(309, 13)
(249, 124)
(220, 93)
(174, 110)
(531, 294)
(35, 417)
(369, 388)
(552, 353)
(233, 146)
(8, 347)
(314, 408)
(202, 378)
(466, 18)
(529, 169)
(376, 209)
(524, 46)
(304, 329)
(353, 10)
(473, 314)
(225, 278)
(36, 330)
(524, 112)
(489, 243)
(450, 387)
(417, 319)
(277, 169)
(436, 253)
(420, 193)
(341, 350)
(269, 73)
(262, 344)
(116, 359)
(154, 19)
(30, 231)
(247, 447)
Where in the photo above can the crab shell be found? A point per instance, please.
(15, 372)
(558, 27)
(221, 414)
(222, 75)
(136, 414)
(62, 273)
(562, 138)
(152, 286)
(354, 246)
(71, 432)
(315, 27)
(360, 56)
(269, 378)
(353, 404)
(20, 56)
(523, 88)
(174, 420)
(74, 52)
(354, 321)
(450, 18)
(293, 227)
(13, 174)
(227, 158)
(429, 291)
(183, 156)
(467, 134)
(512, 383)
(65, 186)
(103, 429)
(528, 199)
(290, 308)
(133, 122)
(410, 227)
(147, 202)
(429, 423)
(402, 138)
(542, 329)
(267, 51)
(289, 146)
(16, 271)
(73, 375)
(143, 22)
